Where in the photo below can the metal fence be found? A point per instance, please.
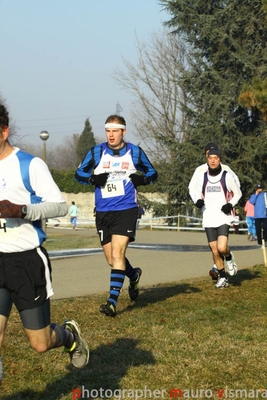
(176, 222)
(184, 222)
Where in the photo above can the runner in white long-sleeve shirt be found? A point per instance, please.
(198, 173)
(217, 192)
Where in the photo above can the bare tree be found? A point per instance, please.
(58, 157)
(64, 156)
(156, 85)
(36, 150)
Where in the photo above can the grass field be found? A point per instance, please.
(69, 240)
(181, 340)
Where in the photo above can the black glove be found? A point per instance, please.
(227, 208)
(11, 210)
(138, 179)
(200, 203)
(99, 180)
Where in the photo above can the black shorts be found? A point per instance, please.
(213, 233)
(116, 223)
(27, 277)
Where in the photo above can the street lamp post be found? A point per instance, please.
(44, 135)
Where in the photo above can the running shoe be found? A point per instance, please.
(79, 352)
(133, 288)
(214, 273)
(231, 266)
(222, 283)
(108, 309)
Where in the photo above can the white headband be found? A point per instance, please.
(114, 126)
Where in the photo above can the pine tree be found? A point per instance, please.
(86, 140)
(254, 97)
(228, 41)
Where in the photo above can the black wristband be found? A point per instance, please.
(91, 180)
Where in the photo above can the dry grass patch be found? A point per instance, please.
(58, 241)
(183, 335)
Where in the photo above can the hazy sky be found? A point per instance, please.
(57, 58)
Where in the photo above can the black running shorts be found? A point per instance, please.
(116, 223)
(27, 277)
(213, 233)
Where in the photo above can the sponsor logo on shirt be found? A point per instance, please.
(214, 189)
(117, 174)
(124, 165)
(106, 164)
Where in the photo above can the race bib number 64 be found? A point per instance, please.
(113, 188)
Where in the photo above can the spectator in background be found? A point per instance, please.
(249, 210)
(140, 213)
(236, 222)
(258, 199)
(73, 215)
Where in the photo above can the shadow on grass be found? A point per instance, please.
(108, 364)
(244, 275)
(160, 293)
(157, 294)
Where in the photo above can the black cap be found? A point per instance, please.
(215, 152)
(210, 146)
(259, 186)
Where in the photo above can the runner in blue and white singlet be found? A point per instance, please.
(113, 168)
(29, 194)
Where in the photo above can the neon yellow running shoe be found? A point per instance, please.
(79, 352)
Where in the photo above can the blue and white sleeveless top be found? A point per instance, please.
(119, 192)
(24, 179)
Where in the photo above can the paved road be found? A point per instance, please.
(164, 256)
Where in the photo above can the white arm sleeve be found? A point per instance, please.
(46, 210)
(52, 202)
(195, 185)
